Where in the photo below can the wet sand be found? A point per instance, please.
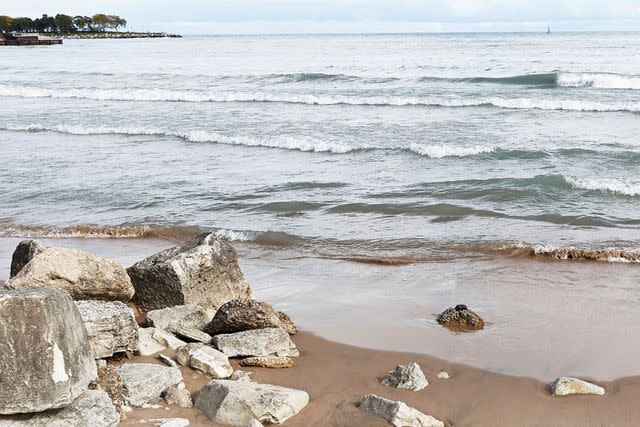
(337, 376)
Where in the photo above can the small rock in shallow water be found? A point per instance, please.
(564, 386)
(442, 375)
(408, 377)
(398, 413)
(460, 318)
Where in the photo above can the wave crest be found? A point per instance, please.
(441, 151)
(574, 253)
(606, 185)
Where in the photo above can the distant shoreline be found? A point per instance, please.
(115, 35)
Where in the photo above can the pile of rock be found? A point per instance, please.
(78, 311)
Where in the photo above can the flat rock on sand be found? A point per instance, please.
(397, 413)
(203, 271)
(45, 358)
(564, 386)
(84, 275)
(145, 382)
(256, 342)
(236, 403)
(92, 408)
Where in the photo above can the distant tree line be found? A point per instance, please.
(62, 23)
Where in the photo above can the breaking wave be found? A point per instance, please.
(440, 151)
(154, 95)
(575, 253)
(606, 185)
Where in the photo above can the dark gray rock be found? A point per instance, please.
(203, 271)
(25, 251)
(45, 358)
(243, 315)
(460, 318)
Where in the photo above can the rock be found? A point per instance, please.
(110, 381)
(254, 423)
(145, 382)
(241, 376)
(165, 422)
(286, 323)
(85, 276)
(168, 360)
(203, 271)
(206, 359)
(111, 326)
(178, 395)
(238, 402)
(256, 342)
(190, 316)
(242, 315)
(167, 339)
(460, 318)
(45, 359)
(564, 386)
(397, 413)
(191, 334)
(268, 362)
(92, 408)
(25, 251)
(147, 345)
(408, 377)
(442, 375)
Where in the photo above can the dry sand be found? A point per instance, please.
(337, 376)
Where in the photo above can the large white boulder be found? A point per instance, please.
(564, 386)
(256, 342)
(145, 382)
(236, 403)
(82, 274)
(203, 271)
(111, 326)
(206, 359)
(408, 377)
(92, 408)
(396, 413)
(45, 358)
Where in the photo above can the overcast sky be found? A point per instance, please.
(286, 16)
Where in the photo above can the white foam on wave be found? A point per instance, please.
(236, 236)
(440, 151)
(598, 80)
(154, 95)
(606, 185)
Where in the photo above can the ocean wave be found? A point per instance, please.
(606, 185)
(599, 80)
(575, 253)
(440, 151)
(156, 95)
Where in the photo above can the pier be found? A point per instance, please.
(27, 39)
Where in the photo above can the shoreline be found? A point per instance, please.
(337, 376)
(115, 35)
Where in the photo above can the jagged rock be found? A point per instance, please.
(238, 402)
(167, 360)
(206, 359)
(145, 382)
(241, 376)
(110, 381)
(191, 334)
(165, 422)
(460, 318)
(190, 316)
(92, 408)
(287, 324)
(564, 386)
(256, 342)
(147, 345)
(268, 362)
(442, 375)
(45, 359)
(84, 275)
(178, 395)
(111, 326)
(203, 271)
(242, 315)
(25, 251)
(407, 377)
(398, 413)
(167, 339)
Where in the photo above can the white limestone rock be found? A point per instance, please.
(564, 386)
(45, 358)
(189, 316)
(145, 382)
(165, 422)
(396, 413)
(167, 339)
(256, 342)
(236, 403)
(111, 326)
(147, 345)
(206, 359)
(178, 395)
(407, 377)
(442, 375)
